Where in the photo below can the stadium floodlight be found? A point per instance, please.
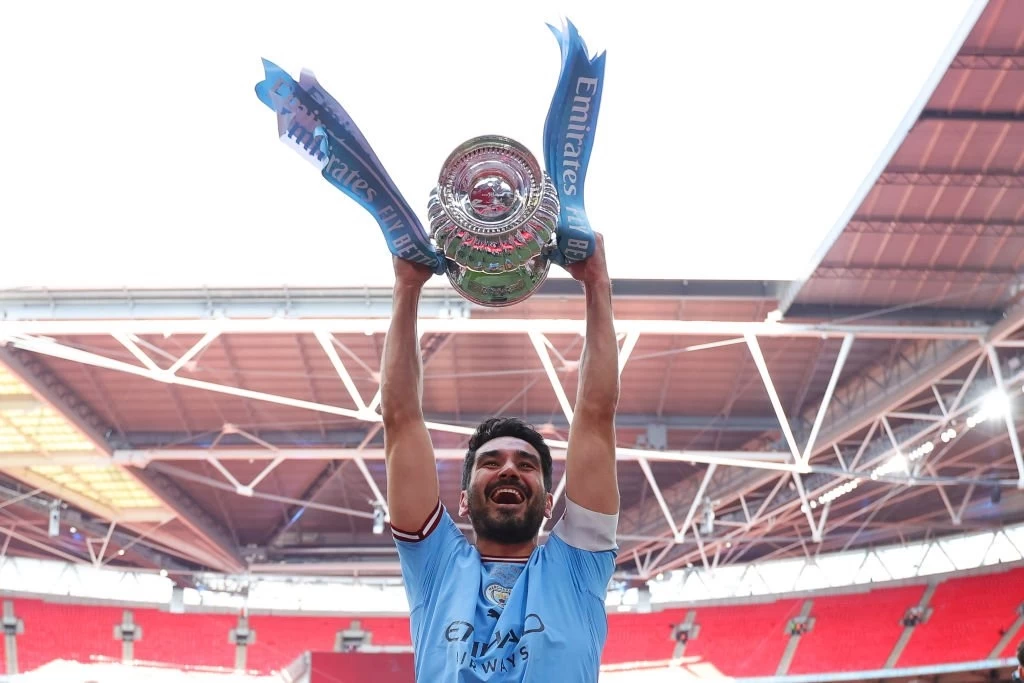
(54, 526)
(707, 522)
(896, 464)
(995, 405)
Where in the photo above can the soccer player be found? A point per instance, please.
(504, 608)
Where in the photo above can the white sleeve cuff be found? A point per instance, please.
(585, 529)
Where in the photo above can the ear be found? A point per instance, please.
(549, 502)
(463, 503)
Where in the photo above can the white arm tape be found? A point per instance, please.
(585, 529)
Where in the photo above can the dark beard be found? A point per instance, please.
(505, 527)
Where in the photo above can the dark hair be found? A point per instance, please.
(494, 427)
(1020, 653)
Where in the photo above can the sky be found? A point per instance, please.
(733, 135)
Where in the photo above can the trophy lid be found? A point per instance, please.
(490, 185)
(493, 215)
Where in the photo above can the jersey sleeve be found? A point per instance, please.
(585, 541)
(426, 553)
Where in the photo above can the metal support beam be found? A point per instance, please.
(11, 533)
(22, 332)
(657, 495)
(319, 484)
(972, 116)
(327, 342)
(142, 457)
(988, 61)
(351, 436)
(979, 276)
(193, 351)
(785, 506)
(927, 417)
(129, 342)
(743, 506)
(840, 458)
(700, 548)
(967, 382)
(201, 522)
(762, 368)
(822, 520)
(953, 516)
(377, 495)
(921, 315)
(937, 228)
(340, 302)
(18, 498)
(864, 445)
(963, 504)
(185, 475)
(837, 370)
(540, 346)
(944, 178)
(628, 344)
(680, 535)
(50, 348)
(805, 507)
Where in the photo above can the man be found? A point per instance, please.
(505, 609)
(1018, 675)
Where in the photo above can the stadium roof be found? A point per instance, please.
(237, 429)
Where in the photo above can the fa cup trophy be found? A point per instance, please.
(497, 218)
(493, 216)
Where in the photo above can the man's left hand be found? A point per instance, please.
(592, 270)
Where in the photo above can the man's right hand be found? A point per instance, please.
(409, 273)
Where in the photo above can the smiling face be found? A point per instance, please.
(505, 498)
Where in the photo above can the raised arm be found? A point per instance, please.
(409, 455)
(591, 480)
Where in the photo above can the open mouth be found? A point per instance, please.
(507, 495)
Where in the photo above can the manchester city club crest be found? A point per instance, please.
(497, 594)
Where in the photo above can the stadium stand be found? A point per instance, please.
(181, 639)
(743, 640)
(641, 637)
(279, 639)
(868, 622)
(967, 619)
(65, 631)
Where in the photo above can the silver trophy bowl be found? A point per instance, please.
(493, 216)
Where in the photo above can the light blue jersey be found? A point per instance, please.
(537, 620)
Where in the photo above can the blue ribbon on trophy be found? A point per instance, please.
(494, 210)
(312, 122)
(569, 139)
